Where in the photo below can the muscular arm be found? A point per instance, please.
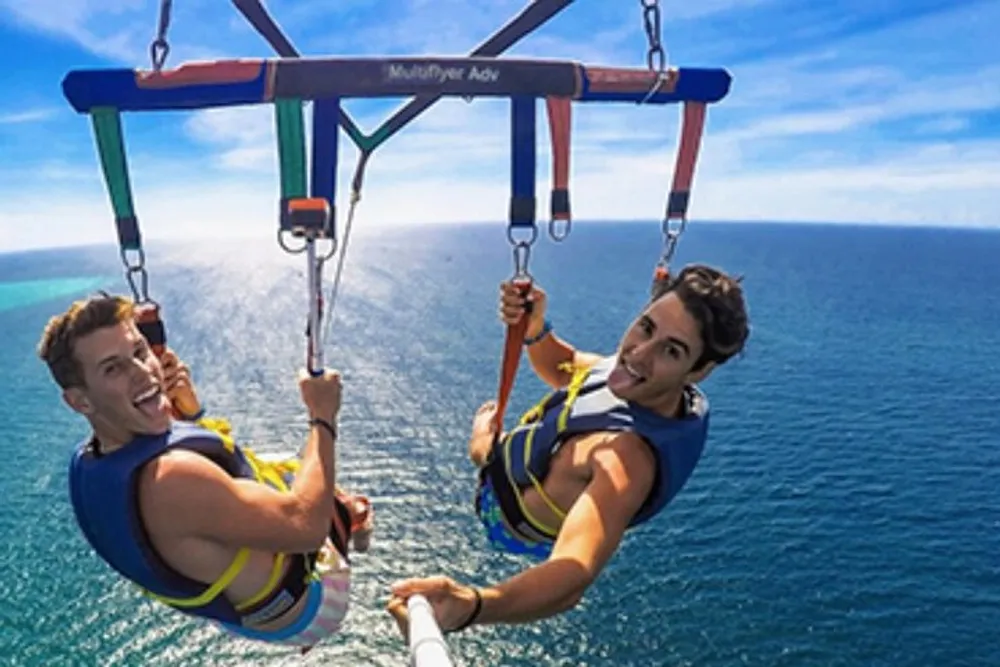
(185, 495)
(590, 535)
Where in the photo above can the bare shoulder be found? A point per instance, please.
(179, 479)
(625, 458)
(175, 467)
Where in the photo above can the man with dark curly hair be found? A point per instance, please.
(606, 450)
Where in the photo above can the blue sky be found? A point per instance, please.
(846, 110)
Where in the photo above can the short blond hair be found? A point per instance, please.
(82, 318)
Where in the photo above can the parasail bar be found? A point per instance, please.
(222, 83)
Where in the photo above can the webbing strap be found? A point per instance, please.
(291, 153)
(522, 162)
(264, 471)
(529, 441)
(687, 157)
(559, 112)
(107, 126)
(212, 591)
(272, 582)
(512, 345)
(341, 533)
(325, 145)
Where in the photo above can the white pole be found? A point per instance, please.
(427, 645)
(315, 360)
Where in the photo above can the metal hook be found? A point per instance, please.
(522, 253)
(158, 52)
(133, 268)
(670, 238)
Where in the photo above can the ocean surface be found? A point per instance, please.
(846, 513)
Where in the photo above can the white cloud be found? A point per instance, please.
(122, 30)
(932, 185)
(28, 116)
(242, 137)
(943, 184)
(694, 10)
(944, 125)
(839, 132)
(96, 26)
(846, 98)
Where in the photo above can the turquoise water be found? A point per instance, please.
(26, 292)
(847, 511)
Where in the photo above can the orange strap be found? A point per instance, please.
(687, 156)
(560, 114)
(183, 403)
(692, 126)
(513, 343)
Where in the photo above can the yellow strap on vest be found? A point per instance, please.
(220, 427)
(532, 415)
(272, 581)
(264, 471)
(271, 472)
(572, 391)
(212, 591)
(539, 525)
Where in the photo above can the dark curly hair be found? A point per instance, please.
(715, 300)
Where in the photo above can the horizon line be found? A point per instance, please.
(149, 239)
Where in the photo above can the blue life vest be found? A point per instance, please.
(103, 489)
(588, 406)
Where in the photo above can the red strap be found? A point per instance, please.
(183, 403)
(687, 156)
(147, 319)
(692, 127)
(560, 114)
(513, 343)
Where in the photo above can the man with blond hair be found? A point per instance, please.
(177, 507)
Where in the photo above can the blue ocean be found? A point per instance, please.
(846, 512)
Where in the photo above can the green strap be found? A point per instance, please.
(107, 126)
(291, 148)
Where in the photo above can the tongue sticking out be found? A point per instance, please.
(154, 406)
(622, 378)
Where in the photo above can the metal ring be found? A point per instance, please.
(332, 251)
(554, 234)
(290, 251)
(680, 230)
(140, 261)
(531, 239)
